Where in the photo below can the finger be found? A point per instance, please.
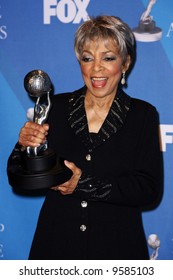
(30, 139)
(76, 171)
(32, 134)
(62, 190)
(37, 127)
(46, 126)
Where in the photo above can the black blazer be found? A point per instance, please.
(83, 226)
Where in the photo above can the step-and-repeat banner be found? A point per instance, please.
(39, 35)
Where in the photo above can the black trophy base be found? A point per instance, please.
(147, 31)
(38, 172)
(147, 26)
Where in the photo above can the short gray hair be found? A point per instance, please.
(106, 27)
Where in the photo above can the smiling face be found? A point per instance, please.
(102, 67)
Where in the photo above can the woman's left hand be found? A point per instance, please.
(69, 186)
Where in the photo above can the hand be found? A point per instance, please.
(33, 134)
(69, 186)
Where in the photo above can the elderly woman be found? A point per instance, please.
(110, 142)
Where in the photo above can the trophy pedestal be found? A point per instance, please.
(147, 32)
(147, 26)
(38, 172)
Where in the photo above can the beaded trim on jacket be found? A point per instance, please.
(113, 122)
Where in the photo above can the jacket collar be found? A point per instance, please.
(113, 122)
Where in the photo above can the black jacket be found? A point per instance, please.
(122, 174)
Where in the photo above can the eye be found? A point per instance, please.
(86, 59)
(109, 58)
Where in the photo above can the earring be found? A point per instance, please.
(123, 80)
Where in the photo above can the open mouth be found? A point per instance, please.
(99, 82)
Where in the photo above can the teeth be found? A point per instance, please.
(99, 79)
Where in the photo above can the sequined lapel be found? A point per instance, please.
(113, 122)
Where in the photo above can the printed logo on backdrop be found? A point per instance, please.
(166, 131)
(147, 31)
(3, 28)
(170, 30)
(66, 11)
(2, 228)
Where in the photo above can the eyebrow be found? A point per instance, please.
(101, 52)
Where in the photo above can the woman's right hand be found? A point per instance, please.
(33, 134)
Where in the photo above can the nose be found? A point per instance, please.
(97, 66)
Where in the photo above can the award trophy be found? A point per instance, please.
(154, 243)
(147, 31)
(39, 167)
